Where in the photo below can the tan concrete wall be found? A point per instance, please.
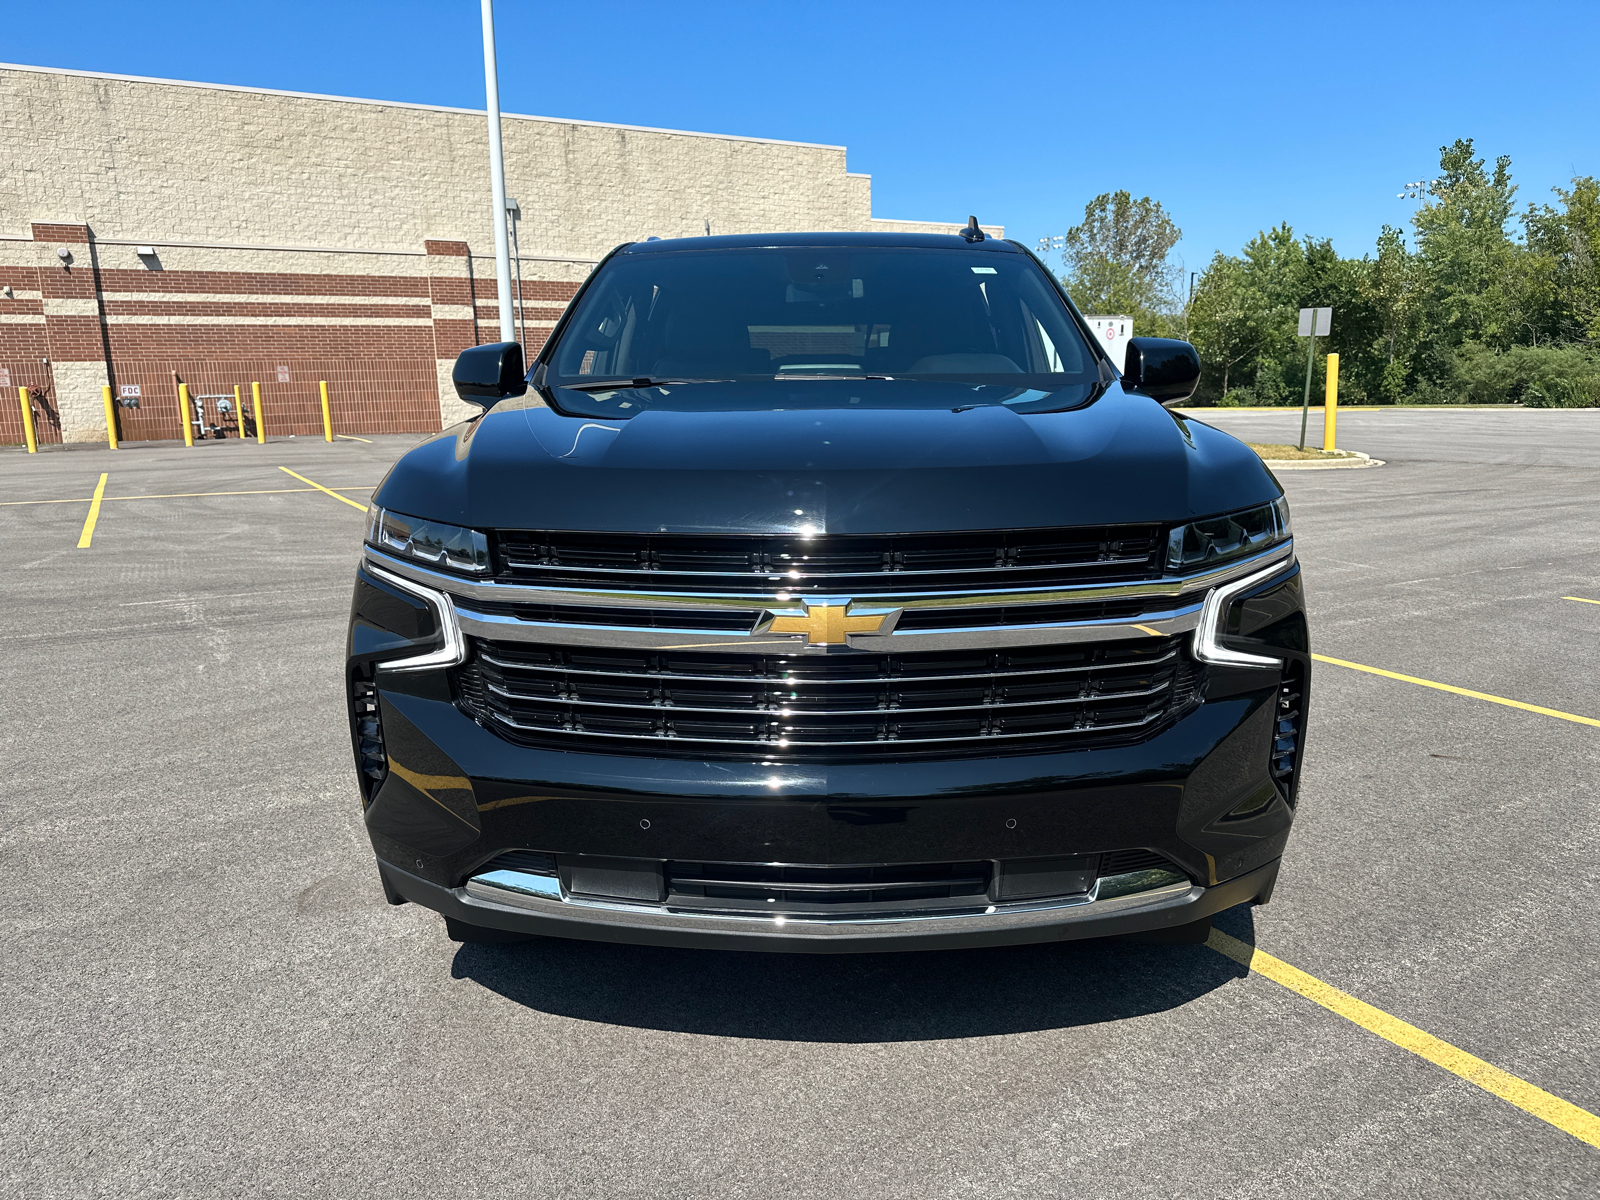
(204, 163)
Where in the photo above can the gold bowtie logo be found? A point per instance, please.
(830, 622)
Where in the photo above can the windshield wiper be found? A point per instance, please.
(818, 375)
(641, 381)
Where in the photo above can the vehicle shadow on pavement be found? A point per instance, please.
(913, 996)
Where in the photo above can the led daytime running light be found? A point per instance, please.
(433, 543)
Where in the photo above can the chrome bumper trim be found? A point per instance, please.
(494, 891)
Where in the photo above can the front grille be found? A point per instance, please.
(857, 565)
(842, 706)
(787, 890)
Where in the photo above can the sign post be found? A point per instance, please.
(1314, 323)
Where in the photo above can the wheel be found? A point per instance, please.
(482, 935)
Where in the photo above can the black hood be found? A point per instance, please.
(1121, 459)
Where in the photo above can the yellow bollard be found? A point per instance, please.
(327, 417)
(111, 415)
(27, 421)
(238, 410)
(184, 415)
(1330, 406)
(255, 397)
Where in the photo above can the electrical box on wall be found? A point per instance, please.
(1112, 333)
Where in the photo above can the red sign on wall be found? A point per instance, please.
(283, 374)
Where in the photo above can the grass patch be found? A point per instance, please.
(1273, 450)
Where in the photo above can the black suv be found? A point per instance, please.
(827, 592)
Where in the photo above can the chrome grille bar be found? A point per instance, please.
(1166, 588)
(807, 681)
(798, 711)
(780, 741)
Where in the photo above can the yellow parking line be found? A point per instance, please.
(1581, 599)
(330, 491)
(1459, 691)
(94, 511)
(1565, 1116)
(356, 487)
(350, 437)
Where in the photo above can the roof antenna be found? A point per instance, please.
(972, 233)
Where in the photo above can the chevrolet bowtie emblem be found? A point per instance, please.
(829, 622)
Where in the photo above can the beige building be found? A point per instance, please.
(156, 232)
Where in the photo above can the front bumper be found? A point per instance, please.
(1162, 908)
(1208, 793)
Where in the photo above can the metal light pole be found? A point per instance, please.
(514, 214)
(497, 180)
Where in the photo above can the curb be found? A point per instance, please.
(1354, 462)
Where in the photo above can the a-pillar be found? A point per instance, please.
(73, 329)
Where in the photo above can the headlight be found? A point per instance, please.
(1219, 540)
(432, 542)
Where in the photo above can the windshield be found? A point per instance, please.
(788, 315)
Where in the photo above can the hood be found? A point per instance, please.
(1121, 459)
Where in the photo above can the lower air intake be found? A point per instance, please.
(368, 734)
(1286, 732)
(821, 891)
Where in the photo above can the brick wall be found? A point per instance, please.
(382, 329)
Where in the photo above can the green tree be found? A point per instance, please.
(1469, 312)
(1394, 294)
(1225, 319)
(1565, 242)
(1117, 258)
(1468, 259)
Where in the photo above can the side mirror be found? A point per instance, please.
(486, 374)
(1161, 368)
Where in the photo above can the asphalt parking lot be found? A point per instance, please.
(206, 995)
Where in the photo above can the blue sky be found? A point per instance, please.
(1235, 116)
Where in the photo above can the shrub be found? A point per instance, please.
(1538, 376)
